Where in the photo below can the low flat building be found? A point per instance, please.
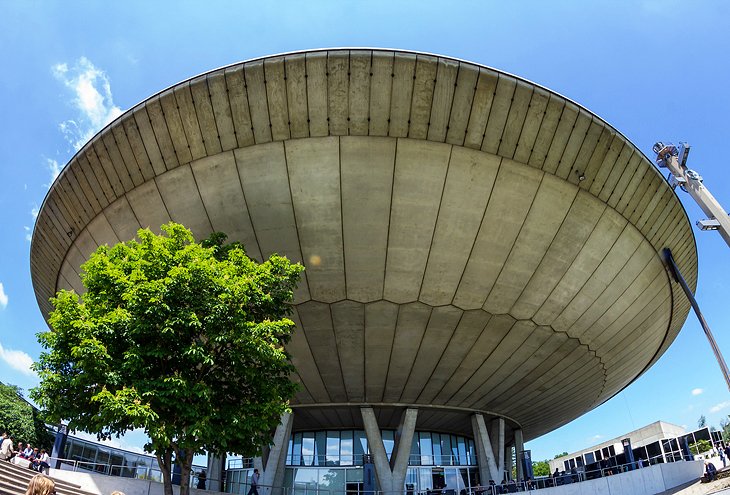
(656, 443)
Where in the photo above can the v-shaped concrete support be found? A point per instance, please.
(497, 437)
(216, 467)
(519, 448)
(489, 469)
(272, 463)
(391, 475)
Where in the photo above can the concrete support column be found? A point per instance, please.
(497, 436)
(485, 454)
(216, 469)
(391, 475)
(519, 447)
(508, 456)
(272, 463)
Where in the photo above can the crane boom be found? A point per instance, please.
(675, 159)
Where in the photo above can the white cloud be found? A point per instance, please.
(3, 297)
(92, 97)
(719, 407)
(17, 360)
(697, 391)
(595, 438)
(55, 169)
(28, 233)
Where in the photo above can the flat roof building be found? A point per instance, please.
(654, 432)
(655, 443)
(483, 255)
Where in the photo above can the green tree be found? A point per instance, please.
(700, 446)
(702, 422)
(560, 455)
(21, 420)
(182, 339)
(725, 428)
(541, 468)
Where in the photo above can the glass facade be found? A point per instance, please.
(83, 455)
(319, 462)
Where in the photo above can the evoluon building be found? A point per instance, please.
(483, 255)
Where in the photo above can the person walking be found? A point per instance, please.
(254, 483)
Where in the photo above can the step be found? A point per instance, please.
(14, 480)
(8, 488)
(27, 474)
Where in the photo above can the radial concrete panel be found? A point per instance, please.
(222, 195)
(549, 206)
(380, 322)
(314, 164)
(122, 220)
(148, 206)
(420, 171)
(499, 229)
(367, 187)
(473, 242)
(469, 183)
(470, 327)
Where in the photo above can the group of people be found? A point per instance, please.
(43, 485)
(710, 469)
(39, 460)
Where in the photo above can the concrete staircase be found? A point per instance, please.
(14, 481)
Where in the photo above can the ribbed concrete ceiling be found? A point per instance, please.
(472, 240)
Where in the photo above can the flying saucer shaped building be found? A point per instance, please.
(483, 255)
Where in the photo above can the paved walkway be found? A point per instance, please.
(720, 486)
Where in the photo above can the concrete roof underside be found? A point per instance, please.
(472, 240)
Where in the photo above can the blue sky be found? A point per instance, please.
(655, 69)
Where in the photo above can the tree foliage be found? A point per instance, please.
(21, 420)
(702, 422)
(562, 454)
(541, 468)
(700, 446)
(182, 339)
(725, 428)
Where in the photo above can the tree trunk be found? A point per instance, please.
(186, 462)
(164, 459)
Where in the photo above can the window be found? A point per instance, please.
(333, 448)
(388, 441)
(346, 448)
(320, 447)
(361, 446)
(447, 458)
(296, 458)
(462, 451)
(426, 449)
(438, 459)
(308, 448)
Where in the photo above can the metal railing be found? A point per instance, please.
(579, 475)
(148, 472)
(562, 478)
(326, 460)
(120, 470)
